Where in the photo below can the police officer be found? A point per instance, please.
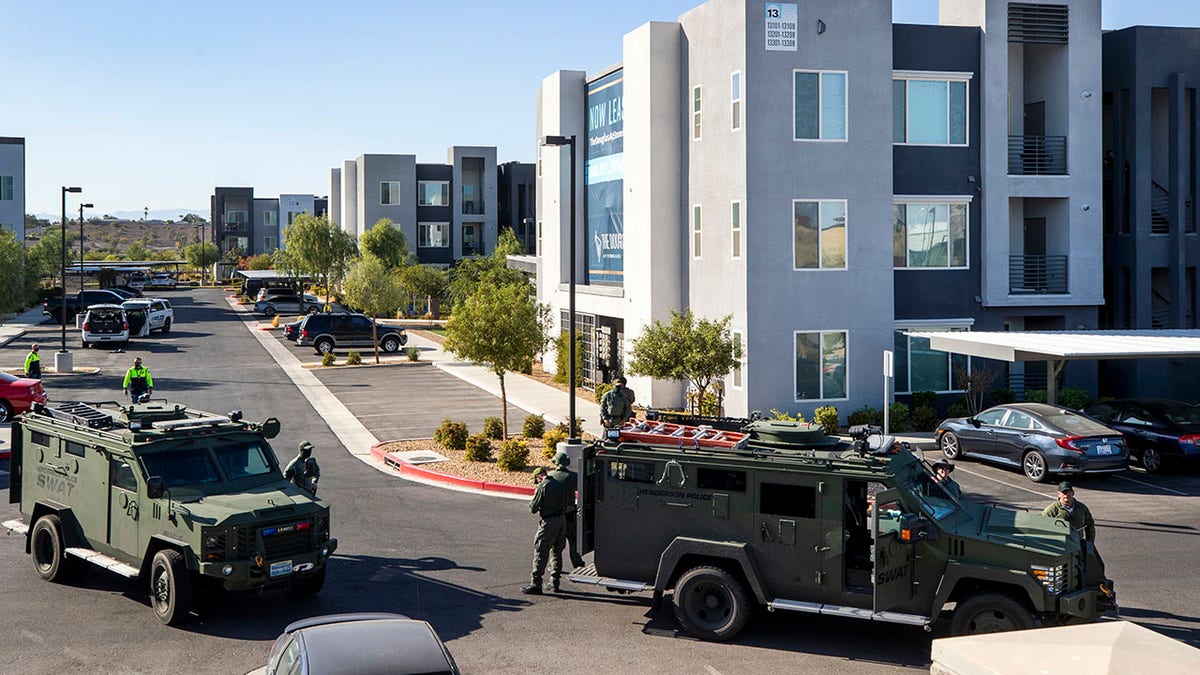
(33, 363)
(138, 381)
(549, 501)
(616, 405)
(570, 481)
(303, 470)
(941, 475)
(1073, 511)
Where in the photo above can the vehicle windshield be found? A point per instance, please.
(241, 460)
(1074, 423)
(192, 466)
(1183, 416)
(935, 500)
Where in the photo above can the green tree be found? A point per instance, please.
(262, 261)
(387, 242)
(33, 222)
(371, 287)
(46, 255)
(137, 251)
(201, 255)
(470, 272)
(15, 286)
(316, 247)
(698, 352)
(501, 327)
(423, 281)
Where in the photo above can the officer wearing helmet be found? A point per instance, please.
(569, 480)
(303, 470)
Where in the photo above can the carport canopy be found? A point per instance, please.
(1058, 347)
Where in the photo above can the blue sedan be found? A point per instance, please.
(1042, 440)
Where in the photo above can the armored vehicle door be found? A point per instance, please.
(591, 482)
(122, 505)
(894, 563)
(788, 544)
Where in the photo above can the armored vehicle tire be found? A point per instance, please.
(950, 445)
(50, 551)
(170, 587)
(1151, 459)
(989, 613)
(308, 586)
(390, 344)
(710, 604)
(324, 345)
(1034, 466)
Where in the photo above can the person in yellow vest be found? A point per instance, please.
(138, 381)
(33, 363)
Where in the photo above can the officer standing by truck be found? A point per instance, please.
(570, 481)
(138, 381)
(616, 405)
(303, 470)
(549, 501)
(33, 363)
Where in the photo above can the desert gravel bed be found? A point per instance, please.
(486, 471)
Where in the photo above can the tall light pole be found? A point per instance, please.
(63, 309)
(571, 430)
(81, 208)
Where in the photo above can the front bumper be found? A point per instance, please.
(247, 574)
(1090, 603)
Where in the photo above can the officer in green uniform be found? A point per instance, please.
(303, 470)
(138, 381)
(33, 363)
(570, 481)
(616, 405)
(549, 501)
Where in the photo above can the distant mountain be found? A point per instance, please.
(155, 214)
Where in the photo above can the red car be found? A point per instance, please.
(18, 394)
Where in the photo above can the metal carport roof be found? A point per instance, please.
(1058, 347)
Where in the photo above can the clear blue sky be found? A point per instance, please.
(154, 104)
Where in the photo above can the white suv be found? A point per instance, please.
(148, 314)
(105, 324)
(161, 280)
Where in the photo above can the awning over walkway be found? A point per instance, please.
(1058, 347)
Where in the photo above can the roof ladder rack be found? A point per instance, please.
(83, 415)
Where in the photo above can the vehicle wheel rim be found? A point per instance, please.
(1034, 467)
(709, 605)
(1151, 460)
(43, 551)
(991, 621)
(324, 348)
(162, 590)
(950, 446)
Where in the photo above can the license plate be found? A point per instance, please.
(279, 569)
(1104, 450)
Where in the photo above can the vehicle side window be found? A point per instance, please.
(1103, 412)
(341, 323)
(74, 448)
(721, 479)
(796, 501)
(991, 417)
(39, 438)
(360, 323)
(121, 474)
(634, 472)
(1135, 415)
(1018, 420)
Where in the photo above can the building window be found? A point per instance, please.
(433, 235)
(821, 365)
(735, 228)
(433, 193)
(539, 237)
(696, 227)
(237, 217)
(819, 100)
(696, 113)
(736, 377)
(389, 193)
(919, 368)
(270, 244)
(929, 111)
(735, 97)
(470, 237)
(930, 234)
(6, 188)
(271, 219)
(292, 216)
(820, 234)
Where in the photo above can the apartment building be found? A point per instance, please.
(830, 181)
(254, 224)
(12, 186)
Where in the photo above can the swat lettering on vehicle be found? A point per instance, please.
(54, 483)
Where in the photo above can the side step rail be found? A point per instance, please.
(100, 560)
(16, 525)
(850, 612)
(587, 575)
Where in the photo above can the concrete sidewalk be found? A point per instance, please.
(13, 326)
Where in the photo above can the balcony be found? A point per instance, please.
(1037, 155)
(472, 208)
(1030, 274)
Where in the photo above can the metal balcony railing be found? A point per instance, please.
(472, 208)
(1037, 155)
(1037, 274)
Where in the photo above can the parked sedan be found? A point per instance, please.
(291, 330)
(1042, 440)
(18, 394)
(363, 644)
(1161, 433)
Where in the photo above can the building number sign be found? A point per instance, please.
(780, 27)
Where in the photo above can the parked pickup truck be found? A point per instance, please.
(78, 302)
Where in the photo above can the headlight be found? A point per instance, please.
(1051, 578)
(212, 541)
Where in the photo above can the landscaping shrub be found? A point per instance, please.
(328, 359)
(534, 427)
(552, 438)
(451, 434)
(958, 409)
(1074, 397)
(898, 417)
(924, 418)
(562, 358)
(827, 416)
(414, 353)
(493, 428)
(353, 358)
(1035, 395)
(513, 455)
(1002, 396)
(923, 398)
(479, 448)
(785, 416)
(865, 415)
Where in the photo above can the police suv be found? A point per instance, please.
(843, 532)
(169, 496)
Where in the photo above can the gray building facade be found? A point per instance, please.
(12, 186)
(255, 225)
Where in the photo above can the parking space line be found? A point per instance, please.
(1151, 485)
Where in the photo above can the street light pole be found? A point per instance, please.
(573, 437)
(63, 250)
(81, 208)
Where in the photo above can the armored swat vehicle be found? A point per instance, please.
(855, 531)
(170, 496)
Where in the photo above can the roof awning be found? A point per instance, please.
(1058, 347)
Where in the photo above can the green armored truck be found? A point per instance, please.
(842, 532)
(169, 496)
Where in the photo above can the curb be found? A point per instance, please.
(407, 470)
